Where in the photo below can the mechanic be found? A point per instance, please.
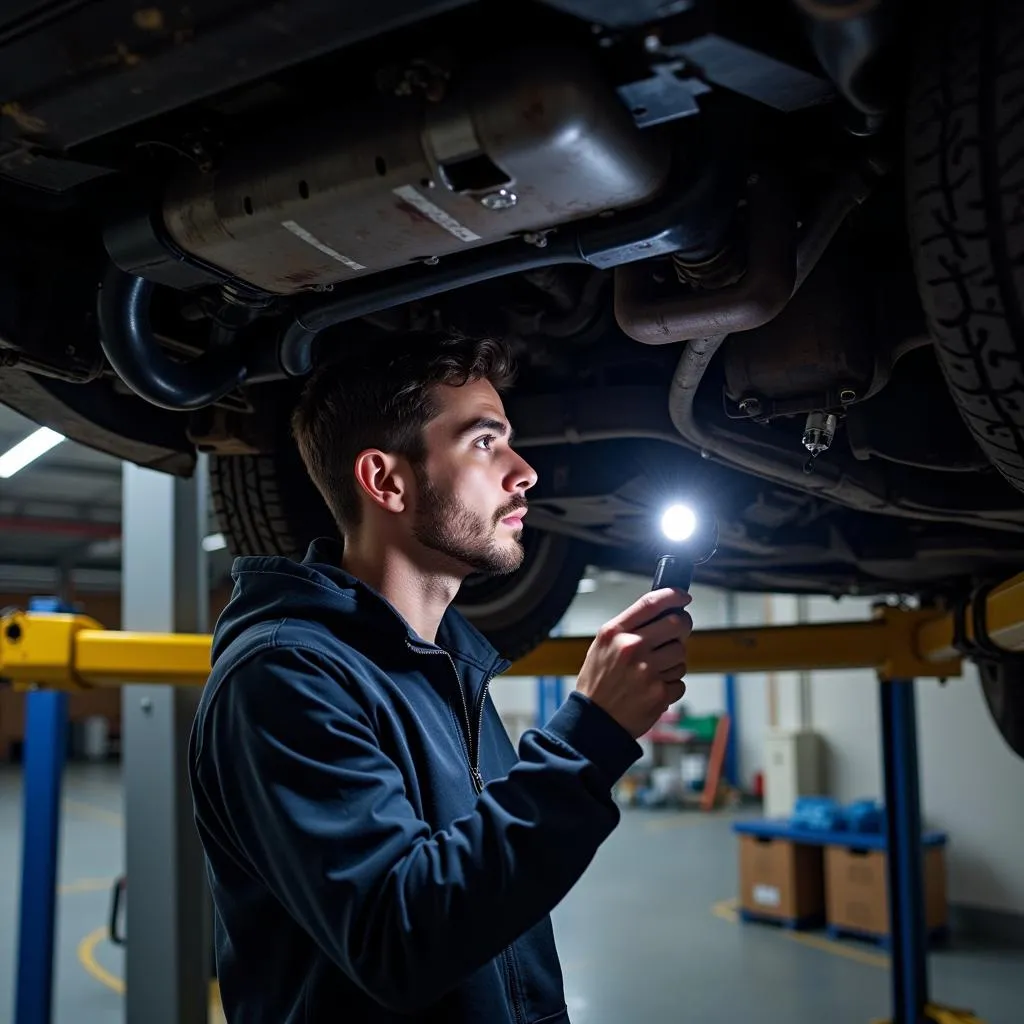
(377, 848)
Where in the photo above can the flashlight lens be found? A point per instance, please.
(679, 522)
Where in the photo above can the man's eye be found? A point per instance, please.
(485, 442)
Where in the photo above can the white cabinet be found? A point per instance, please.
(793, 768)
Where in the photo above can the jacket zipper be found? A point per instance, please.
(513, 990)
(473, 740)
(506, 953)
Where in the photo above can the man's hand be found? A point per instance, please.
(634, 667)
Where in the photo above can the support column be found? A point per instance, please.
(909, 961)
(550, 697)
(46, 736)
(731, 766)
(164, 588)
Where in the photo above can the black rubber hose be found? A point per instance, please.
(127, 340)
(403, 285)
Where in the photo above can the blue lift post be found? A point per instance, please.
(43, 757)
(905, 860)
(731, 766)
(550, 689)
(550, 695)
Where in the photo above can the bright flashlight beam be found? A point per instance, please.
(679, 522)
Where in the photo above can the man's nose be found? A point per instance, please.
(523, 476)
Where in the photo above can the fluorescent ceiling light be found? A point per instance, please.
(214, 542)
(24, 452)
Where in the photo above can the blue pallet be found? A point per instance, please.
(776, 828)
(794, 924)
(936, 936)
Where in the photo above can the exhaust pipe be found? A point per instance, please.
(758, 296)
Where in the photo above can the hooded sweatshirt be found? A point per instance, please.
(378, 850)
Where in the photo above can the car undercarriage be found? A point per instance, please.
(761, 255)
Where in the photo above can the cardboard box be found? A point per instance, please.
(781, 879)
(857, 897)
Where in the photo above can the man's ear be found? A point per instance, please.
(384, 479)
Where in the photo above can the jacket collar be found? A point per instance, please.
(456, 635)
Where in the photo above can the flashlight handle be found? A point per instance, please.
(673, 571)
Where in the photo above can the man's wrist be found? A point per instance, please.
(596, 735)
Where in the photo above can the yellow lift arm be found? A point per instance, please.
(74, 652)
(56, 651)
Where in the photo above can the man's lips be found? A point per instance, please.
(514, 517)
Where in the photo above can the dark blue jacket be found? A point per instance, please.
(377, 849)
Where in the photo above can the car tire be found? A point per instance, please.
(1002, 686)
(965, 168)
(518, 611)
(266, 504)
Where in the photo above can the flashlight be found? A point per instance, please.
(693, 539)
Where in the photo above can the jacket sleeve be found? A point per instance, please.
(293, 764)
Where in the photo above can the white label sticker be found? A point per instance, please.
(767, 895)
(300, 232)
(440, 217)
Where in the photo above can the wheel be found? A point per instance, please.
(1003, 689)
(518, 611)
(965, 194)
(266, 504)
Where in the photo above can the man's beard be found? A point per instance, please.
(444, 524)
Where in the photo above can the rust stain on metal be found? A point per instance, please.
(22, 118)
(149, 19)
(416, 216)
(300, 277)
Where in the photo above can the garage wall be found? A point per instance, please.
(971, 783)
(972, 786)
(844, 710)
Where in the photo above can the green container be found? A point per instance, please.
(702, 726)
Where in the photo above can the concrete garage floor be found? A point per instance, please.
(649, 935)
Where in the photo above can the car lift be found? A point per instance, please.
(50, 653)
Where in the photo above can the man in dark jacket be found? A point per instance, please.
(377, 848)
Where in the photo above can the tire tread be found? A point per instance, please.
(965, 166)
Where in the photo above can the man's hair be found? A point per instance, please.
(382, 396)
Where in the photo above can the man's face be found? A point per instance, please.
(472, 485)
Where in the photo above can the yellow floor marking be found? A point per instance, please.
(726, 910)
(84, 810)
(87, 947)
(87, 958)
(86, 885)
